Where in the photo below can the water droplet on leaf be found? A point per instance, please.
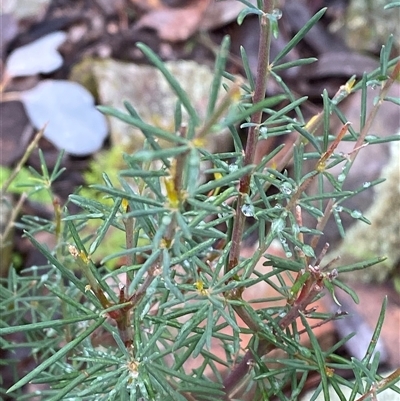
(356, 214)
(286, 188)
(248, 210)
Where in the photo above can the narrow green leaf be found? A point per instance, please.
(319, 357)
(182, 95)
(67, 273)
(127, 195)
(56, 169)
(162, 385)
(157, 132)
(395, 100)
(218, 71)
(294, 63)
(61, 393)
(149, 137)
(299, 36)
(143, 173)
(363, 112)
(308, 136)
(285, 110)
(152, 259)
(149, 346)
(178, 116)
(247, 69)
(361, 265)
(57, 356)
(166, 273)
(338, 222)
(45, 325)
(189, 379)
(150, 155)
(375, 336)
(392, 5)
(101, 232)
(347, 290)
(338, 390)
(72, 301)
(227, 179)
(189, 325)
(239, 116)
(205, 338)
(221, 309)
(245, 12)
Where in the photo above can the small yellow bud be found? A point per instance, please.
(199, 285)
(172, 193)
(125, 205)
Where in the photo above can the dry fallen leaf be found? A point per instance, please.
(179, 24)
(174, 24)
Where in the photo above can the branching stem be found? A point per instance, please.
(252, 136)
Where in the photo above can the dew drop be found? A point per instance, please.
(166, 220)
(233, 167)
(366, 184)
(277, 13)
(339, 209)
(263, 132)
(248, 210)
(341, 177)
(356, 214)
(288, 254)
(369, 138)
(286, 188)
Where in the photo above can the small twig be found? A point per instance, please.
(5, 79)
(384, 382)
(322, 223)
(180, 165)
(23, 160)
(371, 117)
(16, 209)
(323, 322)
(141, 292)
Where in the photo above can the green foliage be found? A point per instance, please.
(149, 330)
(18, 186)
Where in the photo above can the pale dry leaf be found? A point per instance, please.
(40, 56)
(175, 24)
(67, 110)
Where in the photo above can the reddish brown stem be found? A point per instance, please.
(252, 136)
